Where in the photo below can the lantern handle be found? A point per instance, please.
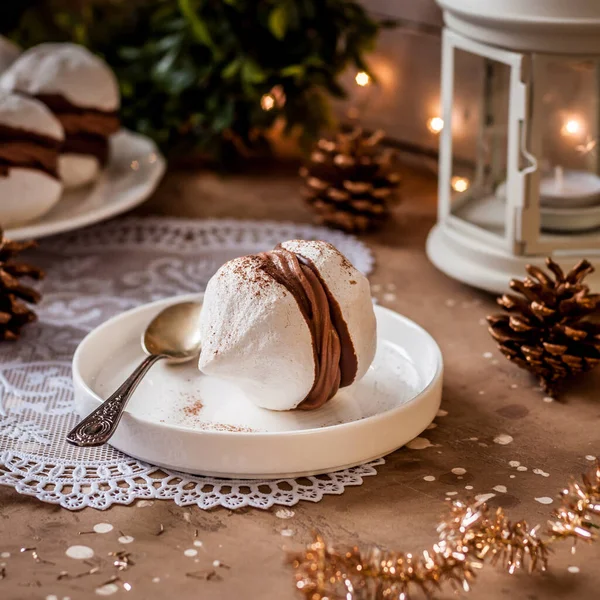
(533, 162)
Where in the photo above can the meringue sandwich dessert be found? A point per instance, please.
(82, 92)
(289, 327)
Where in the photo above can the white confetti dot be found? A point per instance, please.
(187, 517)
(198, 544)
(450, 302)
(107, 590)
(541, 472)
(468, 487)
(287, 532)
(389, 297)
(144, 503)
(544, 500)
(155, 579)
(487, 355)
(79, 552)
(451, 493)
(216, 563)
(284, 513)
(127, 587)
(442, 413)
(573, 569)
(51, 597)
(512, 476)
(514, 386)
(481, 392)
(514, 463)
(126, 539)
(588, 457)
(5, 555)
(473, 439)
(103, 527)
(503, 439)
(191, 552)
(459, 471)
(429, 478)
(522, 468)
(484, 497)
(500, 488)
(419, 443)
(548, 399)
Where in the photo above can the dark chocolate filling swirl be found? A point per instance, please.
(86, 129)
(333, 351)
(28, 150)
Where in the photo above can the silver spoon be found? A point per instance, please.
(173, 335)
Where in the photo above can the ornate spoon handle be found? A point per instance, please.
(98, 427)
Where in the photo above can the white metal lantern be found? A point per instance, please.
(519, 175)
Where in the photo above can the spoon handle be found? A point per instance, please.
(99, 426)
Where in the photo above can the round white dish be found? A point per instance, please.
(134, 170)
(181, 419)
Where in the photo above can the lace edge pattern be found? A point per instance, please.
(18, 471)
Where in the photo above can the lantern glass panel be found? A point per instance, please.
(566, 114)
(480, 124)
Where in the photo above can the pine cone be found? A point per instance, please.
(553, 328)
(14, 312)
(349, 181)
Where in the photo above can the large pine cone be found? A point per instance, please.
(553, 326)
(14, 312)
(350, 180)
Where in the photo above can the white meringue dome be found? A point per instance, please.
(255, 333)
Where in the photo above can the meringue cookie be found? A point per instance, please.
(82, 92)
(289, 326)
(30, 140)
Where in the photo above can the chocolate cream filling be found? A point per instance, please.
(86, 129)
(334, 355)
(28, 150)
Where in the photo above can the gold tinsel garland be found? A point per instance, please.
(469, 536)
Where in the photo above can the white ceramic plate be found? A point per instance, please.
(132, 174)
(183, 420)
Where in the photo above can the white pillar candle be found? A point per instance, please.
(569, 188)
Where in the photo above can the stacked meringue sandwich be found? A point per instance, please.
(80, 94)
(30, 142)
(290, 326)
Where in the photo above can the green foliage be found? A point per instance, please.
(193, 72)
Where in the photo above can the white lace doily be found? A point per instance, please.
(92, 275)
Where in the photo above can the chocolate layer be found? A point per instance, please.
(28, 150)
(332, 346)
(86, 129)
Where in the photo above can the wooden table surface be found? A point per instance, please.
(484, 397)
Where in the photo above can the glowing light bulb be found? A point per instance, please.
(435, 124)
(572, 127)
(362, 78)
(460, 184)
(267, 102)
